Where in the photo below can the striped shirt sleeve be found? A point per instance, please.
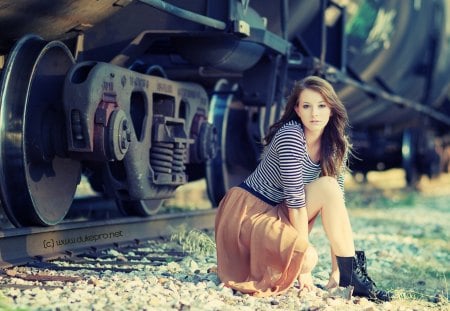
(290, 145)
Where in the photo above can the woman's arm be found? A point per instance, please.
(299, 220)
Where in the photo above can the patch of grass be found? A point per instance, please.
(417, 279)
(411, 300)
(194, 241)
(372, 198)
(407, 233)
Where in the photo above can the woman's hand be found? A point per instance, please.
(305, 281)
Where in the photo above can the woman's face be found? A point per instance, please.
(313, 111)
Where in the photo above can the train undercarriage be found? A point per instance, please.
(148, 95)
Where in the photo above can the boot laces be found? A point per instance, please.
(362, 269)
(361, 272)
(363, 276)
(375, 292)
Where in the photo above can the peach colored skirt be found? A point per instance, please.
(255, 245)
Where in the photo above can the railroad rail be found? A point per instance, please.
(20, 246)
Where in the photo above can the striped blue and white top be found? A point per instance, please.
(285, 168)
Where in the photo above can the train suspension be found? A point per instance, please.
(118, 114)
(131, 131)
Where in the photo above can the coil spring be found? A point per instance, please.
(168, 158)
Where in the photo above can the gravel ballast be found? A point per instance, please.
(173, 274)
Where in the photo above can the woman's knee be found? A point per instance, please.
(322, 193)
(329, 185)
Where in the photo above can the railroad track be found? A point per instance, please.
(142, 263)
(28, 246)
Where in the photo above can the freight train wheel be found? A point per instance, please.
(410, 157)
(139, 207)
(112, 179)
(37, 181)
(420, 156)
(235, 158)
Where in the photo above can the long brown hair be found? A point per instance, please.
(334, 144)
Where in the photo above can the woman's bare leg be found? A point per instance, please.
(325, 196)
(334, 275)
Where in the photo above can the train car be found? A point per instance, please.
(143, 96)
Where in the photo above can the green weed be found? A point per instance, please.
(194, 241)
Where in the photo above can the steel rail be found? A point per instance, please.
(21, 246)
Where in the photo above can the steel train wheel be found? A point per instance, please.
(419, 155)
(235, 158)
(113, 177)
(37, 182)
(409, 156)
(140, 207)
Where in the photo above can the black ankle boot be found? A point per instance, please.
(353, 271)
